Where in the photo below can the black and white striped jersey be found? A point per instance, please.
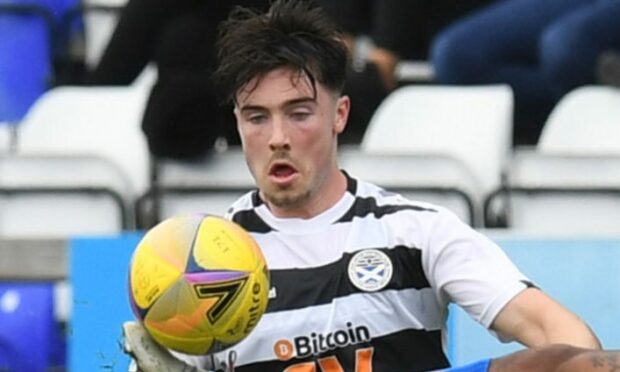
(365, 285)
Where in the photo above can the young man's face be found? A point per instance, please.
(289, 135)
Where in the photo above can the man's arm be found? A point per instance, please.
(534, 319)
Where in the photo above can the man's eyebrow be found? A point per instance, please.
(252, 108)
(291, 102)
(297, 101)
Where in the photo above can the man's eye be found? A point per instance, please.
(257, 119)
(298, 116)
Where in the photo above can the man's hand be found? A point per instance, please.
(147, 354)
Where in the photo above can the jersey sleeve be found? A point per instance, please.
(467, 268)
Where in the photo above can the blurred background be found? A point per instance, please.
(507, 112)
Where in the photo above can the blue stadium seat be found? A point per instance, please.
(58, 8)
(25, 57)
(67, 23)
(29, 336)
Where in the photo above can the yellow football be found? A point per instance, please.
(198, 284)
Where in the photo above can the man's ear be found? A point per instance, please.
(343, 106)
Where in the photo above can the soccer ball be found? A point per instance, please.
(198, 283)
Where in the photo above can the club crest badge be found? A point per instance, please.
(370, 270)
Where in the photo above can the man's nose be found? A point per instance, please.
(279, 135)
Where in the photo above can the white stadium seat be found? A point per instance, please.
(208, 186)
(435, 179)
(100, 20)
(53, 196)
(95, 121)
(570, 183)
(6, 137)
(585, 121)
(561, 194)
(471, 124)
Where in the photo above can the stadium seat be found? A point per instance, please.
(569, 183)
(406, 71)
(30, 339)
(95, 121)
(414, 71)
(585, 121)
(57, 8)
(100, 19)
(6, 138)
(559, 194)
(25, 58)
(436, 179)
(208, 186)
(55, 196)
(471, 124)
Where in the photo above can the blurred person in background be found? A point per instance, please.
(398, 30)
(543, 49)
(608, 68)
(183, 118)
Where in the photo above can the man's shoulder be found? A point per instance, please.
(381, 202)
(386, 196)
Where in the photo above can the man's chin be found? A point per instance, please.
(285, 199)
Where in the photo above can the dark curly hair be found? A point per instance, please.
(294, 34)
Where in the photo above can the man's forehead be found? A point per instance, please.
(284, 82)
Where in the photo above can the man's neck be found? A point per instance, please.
(320, 201)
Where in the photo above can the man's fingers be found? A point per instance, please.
(148, 355)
